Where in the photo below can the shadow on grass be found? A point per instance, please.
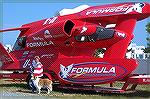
(138, 93)
(23, 86)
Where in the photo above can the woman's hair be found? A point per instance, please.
(37, 57)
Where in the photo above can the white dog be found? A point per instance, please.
(43, 83)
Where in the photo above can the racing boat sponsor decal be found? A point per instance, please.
(38, 44)
(50, 20)
(146, 80)
(47, 56)
(37, 38)
(137, 7)
(120, 34)
(84, 29)
(5, 58)
(125, 8)
(91, 72)
(47, 34)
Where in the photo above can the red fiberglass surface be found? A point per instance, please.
(66, 44)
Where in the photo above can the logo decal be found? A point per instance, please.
(91, 72)
(146, 80)
(50, 20)
(39, 44)
(121, 34)
(64, 71)
(125, 8)
(83, 29)
(136, 7)
(37, 38)
(47, 34)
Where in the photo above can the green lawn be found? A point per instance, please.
(143, 91)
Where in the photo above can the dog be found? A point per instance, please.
(43, 83)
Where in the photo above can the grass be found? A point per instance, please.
(143, 91)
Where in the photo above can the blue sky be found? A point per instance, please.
(15, 13)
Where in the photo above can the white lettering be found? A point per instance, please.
(146, 80)
(73, 70)
(85, 70)
(100, 70)
(84, 29)
(91, 70)
(112, 70)
(120, 34)
(105, 71)
(50, 20)
(79, 70)
(47, 55)
(122, 8)
(112, 10)
(118, 9)
(37, 38)
(38, 44)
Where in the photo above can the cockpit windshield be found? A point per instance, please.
(20, 43)
(100, 34)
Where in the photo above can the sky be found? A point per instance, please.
(14, 13)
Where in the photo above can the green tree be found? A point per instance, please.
(147, 50)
